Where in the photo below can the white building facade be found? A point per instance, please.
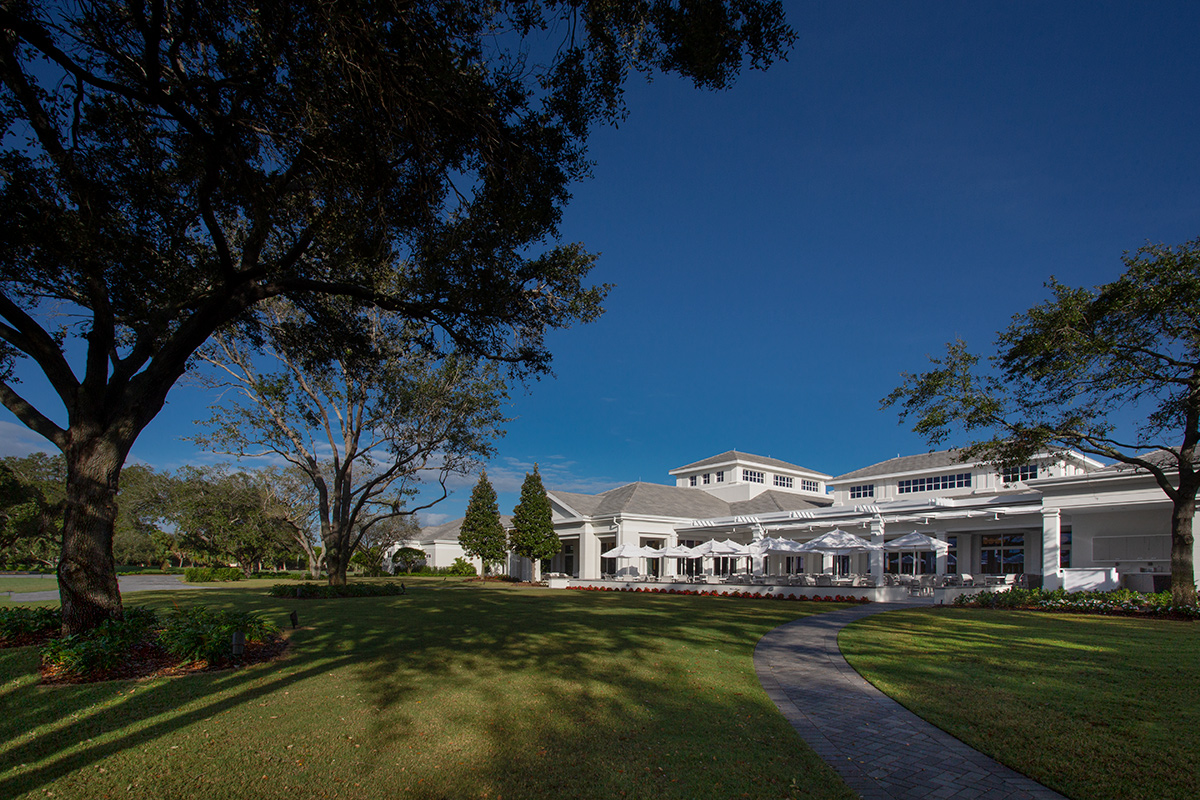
(1058, 521)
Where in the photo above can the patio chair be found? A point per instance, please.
(824, 580)
(968, 579)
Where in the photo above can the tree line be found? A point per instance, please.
(197, 516)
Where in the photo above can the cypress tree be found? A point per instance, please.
(482, 534)
(533, 527)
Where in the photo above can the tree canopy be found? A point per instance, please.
(482, 534)
(1068, 371)
(533, 535)
(166, 166)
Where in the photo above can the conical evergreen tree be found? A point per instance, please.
(482, 535)
(533, 527)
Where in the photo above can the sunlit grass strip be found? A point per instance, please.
(453, 690)
(1095, 707)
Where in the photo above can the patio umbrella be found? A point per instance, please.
(839, 541)
(775, 545)
(627, 551)
(916, 543)
(677, 551)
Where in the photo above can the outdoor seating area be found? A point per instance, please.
(720, 564)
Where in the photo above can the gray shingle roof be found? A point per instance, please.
(771, 500)
(923, 461)
(653, 499)
(451, 529)
(734, 455)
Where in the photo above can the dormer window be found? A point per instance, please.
(784, 481)
(721, 476)
(866, 490)
(1019, 474)
(810, 486)
(692, 481)
(706, 477)
(753, 476)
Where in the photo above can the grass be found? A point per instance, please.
(1094, 707)
(455, 690)
(28, 584)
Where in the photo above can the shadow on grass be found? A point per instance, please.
(452, 690)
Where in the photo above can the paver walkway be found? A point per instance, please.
(881, 749)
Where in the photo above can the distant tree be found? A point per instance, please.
(139, 537)
(482, 535)
(533, 535)
(229, 518)
(166, 166)
(294, 501)
(408, 557)
(32, 493)
(1063, 372)
(365, 425)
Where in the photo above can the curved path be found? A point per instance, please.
(128, 583)
(881, 749)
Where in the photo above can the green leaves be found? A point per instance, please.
(482, 534)
(533, 534)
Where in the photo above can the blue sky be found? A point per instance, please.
(782, 251)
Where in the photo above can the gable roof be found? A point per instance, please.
(938, 459)
(771, 501)
(450, 530)
(651, 499)
(730, 456)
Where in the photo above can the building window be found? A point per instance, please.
(752, 476)
(1064, 549)
(706, 477)
(692, 481)
(960, 481)
(952, 554)
(810, 486)
(867, 490)
(1019, 474)
(721, 476)
(784, 481)
(1002, 554)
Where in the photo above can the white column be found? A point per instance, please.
(589, 553)
(1051, 526)
(941, 556)
(877, 555)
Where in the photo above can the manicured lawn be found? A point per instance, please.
(455, 690)
(1095, 707)
(28, 583)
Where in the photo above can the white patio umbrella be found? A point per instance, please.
(775, 545)
(677, 551)
(916, 543)
(627, 550)
(839, 541)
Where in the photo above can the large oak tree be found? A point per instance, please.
(1067, 372)
(167, 164)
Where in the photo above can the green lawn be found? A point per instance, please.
(28, 583)
(1095, 707)
(456, 690)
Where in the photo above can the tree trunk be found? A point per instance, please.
(337, 559)
(1183, 576)
(87, 578)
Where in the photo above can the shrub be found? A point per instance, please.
(306, 591)
(198, 634)
(103, 648)
(461, 567)
(210, 574)
(18, 622)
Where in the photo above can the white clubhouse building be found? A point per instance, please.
(1067, 521)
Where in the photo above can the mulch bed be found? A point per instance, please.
(148, 660)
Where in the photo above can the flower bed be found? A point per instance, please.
(837, 598)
